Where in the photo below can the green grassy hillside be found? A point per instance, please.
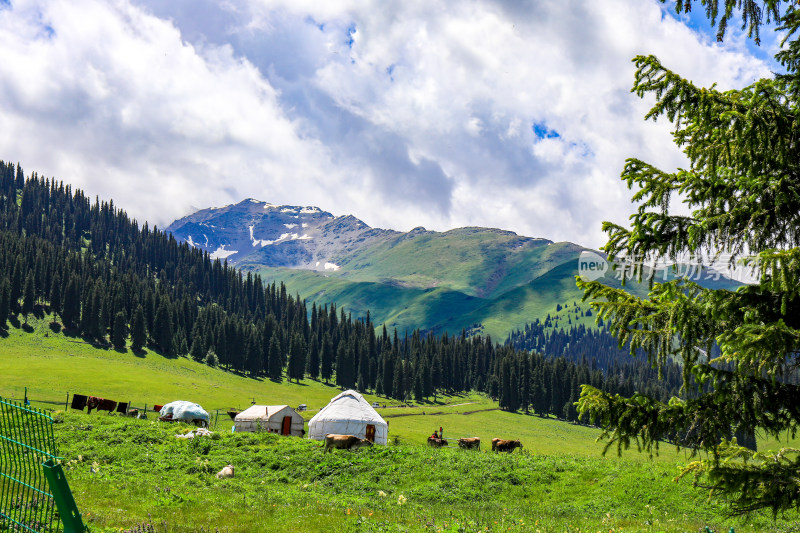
(441, 308)
(124, 471)
(52, 365)
(444, 281)
(425, 282)
(480, 262)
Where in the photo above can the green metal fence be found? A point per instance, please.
(34, 495)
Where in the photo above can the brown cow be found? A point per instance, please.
(503, 445)
(473, 443)
(344, 442)
(436, 443)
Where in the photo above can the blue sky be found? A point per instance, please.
(496, 113)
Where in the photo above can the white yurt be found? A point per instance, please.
(349, 414)
(280, 419)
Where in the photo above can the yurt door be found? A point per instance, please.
(286, 429)
(371, 432)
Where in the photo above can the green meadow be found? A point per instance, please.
(126, 472)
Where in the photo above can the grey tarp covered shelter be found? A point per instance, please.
(349, 414)
(280, 419)
(185, 412)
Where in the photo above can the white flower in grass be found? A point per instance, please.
(381, 494)
(401, 500)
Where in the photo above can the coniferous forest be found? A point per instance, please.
(117, 284)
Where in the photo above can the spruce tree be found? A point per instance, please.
(275, 369)
(388, 373)
(17, 280)
(28, 297)
(398, 383)
(326, 357)
(419, 384)
(99, 300)
(297, 358)
(88, 312)
(341, 365)
(72, 303)
(363, 369)
(741, 191)
(312, 359)
(119, 331)
(5, 301)
(427, 381)
(55, 296)
(254, 362)
(162, 325)
(138, 333)
(198, 348)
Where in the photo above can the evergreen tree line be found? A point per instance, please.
(548, 381)
(116, 283)
(595, 346)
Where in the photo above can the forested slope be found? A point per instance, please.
(115, 283)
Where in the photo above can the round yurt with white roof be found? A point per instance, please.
(349, 414)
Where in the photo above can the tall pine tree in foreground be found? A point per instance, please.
(743, 190)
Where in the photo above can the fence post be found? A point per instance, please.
(65, 503)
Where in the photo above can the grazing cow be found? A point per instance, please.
(502, 445)
(107, 405)
(225, 472)
(436, 443)
(344, 442)
(473, 443)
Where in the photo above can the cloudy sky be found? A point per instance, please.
(503, 113)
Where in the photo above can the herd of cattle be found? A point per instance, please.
(474, 443)
(351, 442)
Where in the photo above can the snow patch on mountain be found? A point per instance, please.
(331, 266)
(222, 253)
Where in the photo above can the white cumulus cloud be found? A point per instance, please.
(507, 114)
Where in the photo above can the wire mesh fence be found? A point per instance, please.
(34, 494)
(26, 442)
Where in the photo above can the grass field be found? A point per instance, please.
(126, 471)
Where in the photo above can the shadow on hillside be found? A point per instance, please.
(139, 353)
(3, 333)
(39, 311)
(240, 373)
(71, 332)
(27, 328)
(121, 350)
(162, 354)
(55, 327)
(14, 321)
